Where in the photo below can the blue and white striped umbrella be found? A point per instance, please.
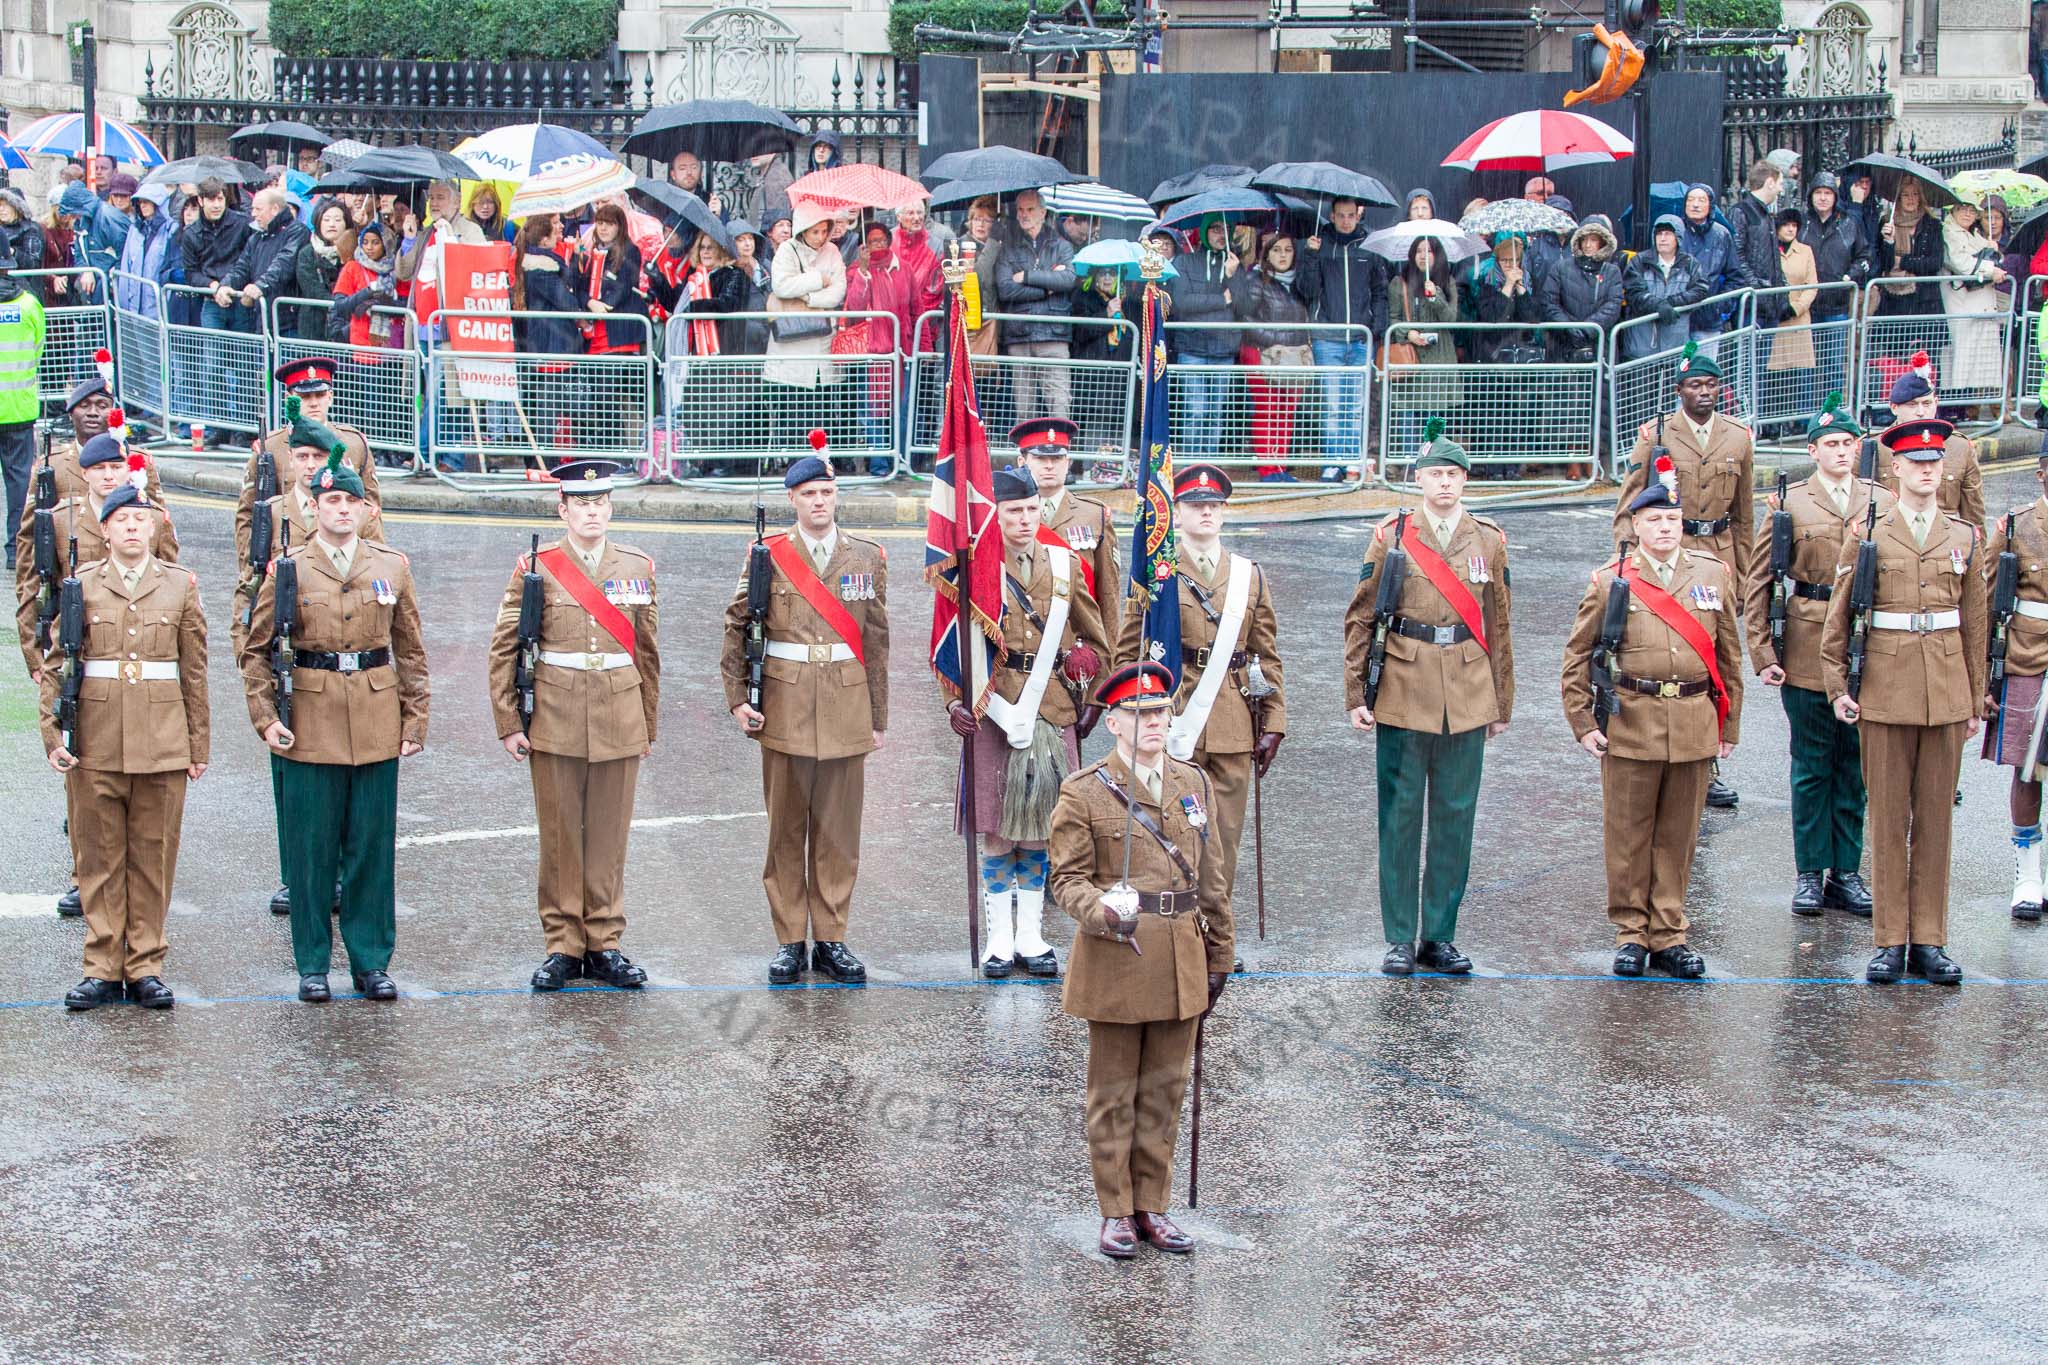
(11, 158)
(521, 151)
(1097, 201)
(64, 135)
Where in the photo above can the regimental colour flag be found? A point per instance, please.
(961, 529)
(1154, 547)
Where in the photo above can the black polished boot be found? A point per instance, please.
(91, 993)
(996, 968)
(834, 961)
(1846, 890)
(1929, 961)
(374, 985)
(151, 993)
(1809, 893)
(788, 963)
(1399, 961)
(1679, 961)
(1046, 964)
(313, 988)
(281, 901)
(1630, 959)
(70, 905)
(1721, 796)
(1443, 957)
(614, 968)
(556, 972)
(1886, 967)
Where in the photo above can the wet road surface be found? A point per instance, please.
(1539, 1163)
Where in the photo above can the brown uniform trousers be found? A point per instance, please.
(136, 737)
(1715, 485)
(1660, 749)
(1961, 493)
(1141, 1010)
(73, 515)
(1085, 525)
(354, 719)
(287, 506)
(1920, 691)
(590, 729)
(820, 722)
(1224, 748)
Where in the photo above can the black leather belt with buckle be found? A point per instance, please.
(1445, 636)
(1812, 592)
(1237, 657)
(1706, 528)
(347, 662)
(1651, 687)
(1021, 660)
(1166, 904)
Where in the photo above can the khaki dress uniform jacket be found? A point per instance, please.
(1086, 526)
(1921, 688)
(590, 728)
(1961, 492)
(71, 479)
(74, 515)
(359, 459)
(821, 717)
(136, 736)
(2026, 638)
(1660, 749)
(1141, 1010)
(288, 506)
(1715, 483)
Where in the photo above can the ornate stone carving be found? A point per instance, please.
(1838, 62)
(738, 52)
(213, 55)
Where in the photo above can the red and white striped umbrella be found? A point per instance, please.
(858, 186)
(1540, 140)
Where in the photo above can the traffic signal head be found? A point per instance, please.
(1638, 17)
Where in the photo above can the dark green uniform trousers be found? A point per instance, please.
(277, 763)
(1827, 785)
(1440, 772)
(339, 818)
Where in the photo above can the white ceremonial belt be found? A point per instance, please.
(589, 663)
(837, 652)
(133, 670)
(1919, 622)
(2037, 611)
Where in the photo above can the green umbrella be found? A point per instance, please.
(2019, 190)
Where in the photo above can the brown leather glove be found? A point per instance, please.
(1269, 745)
(961, 718)
(1217, 981)
(1090, 715)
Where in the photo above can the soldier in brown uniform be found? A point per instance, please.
(2015, 739)
(824, 707)
(1030, 737)
(1148, 961)
(1065, 517)
(77, 515)
(141, 734)
(1677, 680)
(1714, 458)
(1226, 625)
(359, 704)
(311, 381)
(595, 690)
(90, 405)
(1826, 510)
(1918, 701)
(1961, 493)
(1447, 687)
(308, 442)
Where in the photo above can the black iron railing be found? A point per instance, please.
(2001, 153)
(1827, 132)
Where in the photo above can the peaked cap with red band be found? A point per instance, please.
(1044, 435)
(308, 374)
(1201, 483)
(1920, 439)
(1140, 686)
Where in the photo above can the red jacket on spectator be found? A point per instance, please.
(878, 283)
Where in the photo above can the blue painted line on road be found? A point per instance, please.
(977, 983)
(1644, 1169)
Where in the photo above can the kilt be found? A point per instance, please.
(991, 775)
(2005, 739)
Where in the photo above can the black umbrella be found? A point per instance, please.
(1005, 170)
(1191, 183)
(682, 205)
(390, 167)
(2028, 233)
(716, 130)
(2038, 166)
(955, 193)
(192, 169)
(282, 134)
(1887, 169)
(1324, 181)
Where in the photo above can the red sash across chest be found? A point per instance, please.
(1687, 627)
(796, 567)
(591, 598)
(1448, 583)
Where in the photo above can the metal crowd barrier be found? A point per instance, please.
(1968, 349)
(1531, 422)
(495, 419)
(376, 388)
(1100, 396)
(216, 377)
(1784, 391)
(1271, 416)
(72, 330)
(2028, 388)
(726, 416)
(139, 366)
(1642, 386)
